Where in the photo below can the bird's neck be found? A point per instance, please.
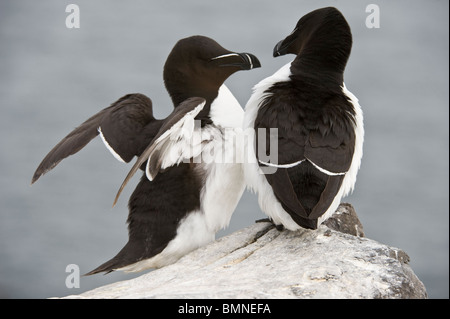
(179, 91)
(324, 55)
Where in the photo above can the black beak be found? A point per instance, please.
(244, 61)
(250, 61)
(281, 48)
(284, 46)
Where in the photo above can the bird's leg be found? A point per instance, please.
(269, 220)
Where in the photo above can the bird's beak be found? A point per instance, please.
(282, 47)
(244, 61)
(279, 49)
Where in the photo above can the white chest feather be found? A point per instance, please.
(224, 183)
(226, 110)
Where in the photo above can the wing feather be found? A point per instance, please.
(171, 144)
(121, 126)
(313, 156)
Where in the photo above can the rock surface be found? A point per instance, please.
(262, 262)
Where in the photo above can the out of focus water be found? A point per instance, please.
(53, 78)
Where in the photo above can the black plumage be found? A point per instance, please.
(315, 119)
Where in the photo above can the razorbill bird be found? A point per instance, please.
(184, 197)
(318, 126)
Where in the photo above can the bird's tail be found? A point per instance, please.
(131, 253)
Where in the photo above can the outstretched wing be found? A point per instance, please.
(174, 142)
(120, 125)
(125, 129)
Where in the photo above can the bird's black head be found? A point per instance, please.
(322, 36)
(198, 66)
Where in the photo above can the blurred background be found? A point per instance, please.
(53, 78)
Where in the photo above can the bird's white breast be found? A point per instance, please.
(224, 182)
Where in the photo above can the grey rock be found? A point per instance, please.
(262, 262)
(346, 221)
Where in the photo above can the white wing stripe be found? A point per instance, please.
(282, 165)
(113, 152)
(325, 171)
(289, 165)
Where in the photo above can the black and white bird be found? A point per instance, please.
(318, 124)
(191, 185)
